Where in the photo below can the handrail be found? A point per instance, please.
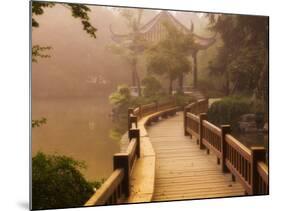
(211, 138)
(235, 144)
(110, 192)
(239, 161)
(117, 186)
(263, 178)
(246, 165)
(193, 121)
(135, 114)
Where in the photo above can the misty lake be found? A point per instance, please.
(79, 128)
(83, 129)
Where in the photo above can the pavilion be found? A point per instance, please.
(154, 31)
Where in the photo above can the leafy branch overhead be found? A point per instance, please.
(78, 11)
(38, 9)
(38, 122)
(37, 51)
(81, 11)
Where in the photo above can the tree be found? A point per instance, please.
(120, 99)
(169, 56)
(131, 50)
(58, 183)
(152, 86)
(243, 58)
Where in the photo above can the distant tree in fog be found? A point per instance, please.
(130, 51)
(169, 57)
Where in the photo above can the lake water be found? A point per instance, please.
(83, 129)
(80, 128)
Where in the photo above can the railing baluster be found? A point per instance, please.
(225, 129)
(258, 154)
(202, 117)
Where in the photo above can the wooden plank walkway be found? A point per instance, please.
(183, 171)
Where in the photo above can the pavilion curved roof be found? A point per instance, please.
(202, 42)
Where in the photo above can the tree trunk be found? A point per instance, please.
(171, 86)
(227, 83)
(134, 68)
(194, 70)
(138, 83)
(136, 79)
(180, 80)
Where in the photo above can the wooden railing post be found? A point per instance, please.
(258, 154)
(135, 133)
(185, 111)
(225, 129)
(121, 160)
(202, 116)
(130, 111)
(133, 119)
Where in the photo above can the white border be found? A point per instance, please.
(14, 135)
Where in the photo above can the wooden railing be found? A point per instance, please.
(135, 114)
(117, 186)
(200, 106)
(262, 178)
(246, 165)
(193, 122)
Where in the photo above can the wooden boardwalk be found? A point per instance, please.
(183, 171)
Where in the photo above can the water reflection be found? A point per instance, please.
(81, 128)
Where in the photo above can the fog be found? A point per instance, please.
(77, 58)
(65, 89)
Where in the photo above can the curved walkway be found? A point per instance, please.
(183, 171)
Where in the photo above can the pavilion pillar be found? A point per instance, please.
(194, 56)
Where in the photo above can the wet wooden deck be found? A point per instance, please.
(183, 171)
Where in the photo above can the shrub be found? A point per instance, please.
(58, 183)
(121, 100)
(182, 100)
(228, 110)
(152, 86)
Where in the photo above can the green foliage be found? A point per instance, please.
(38, 122)
(121, 100)
(38, 51)
(37, 9)
(152, 86)
(243, 58)
(81, 11)
(169, 56)
(132, 47)
(228, 110)
(132, 17)
(121, 96)
(77, 10)
(58, 183)
(182, 100)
